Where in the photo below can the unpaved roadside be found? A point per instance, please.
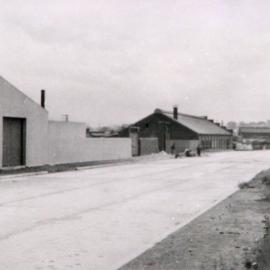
(20, 171)
(232, 235)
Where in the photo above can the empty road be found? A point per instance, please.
(101, 218)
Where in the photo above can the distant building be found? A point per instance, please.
(254, 132)
(101, 134)
(177, 131)
(257, 137)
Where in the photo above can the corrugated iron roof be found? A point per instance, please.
(259, 130)
(200, 125)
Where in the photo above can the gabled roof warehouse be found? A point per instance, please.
(181, 130)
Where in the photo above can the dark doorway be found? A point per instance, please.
(134, 135)
(13, 141)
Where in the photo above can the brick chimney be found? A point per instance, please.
(175, 112)
(42, 99)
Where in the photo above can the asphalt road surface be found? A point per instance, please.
(99, 219)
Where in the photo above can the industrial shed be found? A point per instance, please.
(254, 132)
(28, 138)
(23, 128)
(256, 136)
(178, 129)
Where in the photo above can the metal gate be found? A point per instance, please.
(13, 142)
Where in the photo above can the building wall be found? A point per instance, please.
(163, 128)
(148, 146)
(52, 142)
(66, 130)
(181, 145)
(255, 135)
(216, 142)
(14, 103)
(68, 144)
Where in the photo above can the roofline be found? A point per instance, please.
(162, 112)
(184, 114)
(175, 121)
(141, 119)
(13, 86)
(258, 127)
(197, 117)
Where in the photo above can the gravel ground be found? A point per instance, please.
(232, 235)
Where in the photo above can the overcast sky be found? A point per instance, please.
(115, 61)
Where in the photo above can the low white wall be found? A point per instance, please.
(88, 149)
(68, 144)
(61, 130)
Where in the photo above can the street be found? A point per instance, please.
(101, 218)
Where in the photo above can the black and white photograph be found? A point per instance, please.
(135, 135)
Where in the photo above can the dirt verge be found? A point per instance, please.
(61, 167)
(234, 235)
(78, 165)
